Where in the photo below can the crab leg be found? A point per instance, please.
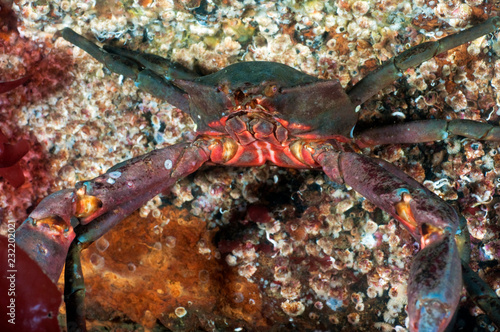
(435, 275)
(48, 232)
(392, 69)
(152, 73)
(479, 291)
(427, 131)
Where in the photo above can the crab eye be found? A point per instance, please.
(271, 90)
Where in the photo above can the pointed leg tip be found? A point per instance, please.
(61, 33)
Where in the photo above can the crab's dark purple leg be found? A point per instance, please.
(435, 275)
(477, 289)
(427, 131)
(481, 293)
(151, 73)
(392, 69)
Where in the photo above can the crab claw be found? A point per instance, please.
(433, 288)
(435, 280)
(431, 316)
(46, 235)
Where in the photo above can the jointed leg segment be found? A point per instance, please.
(392, 69)
(150, 72)
(427, 131)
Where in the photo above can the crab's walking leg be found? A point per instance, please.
(477, 289)
(150, 72)
(48, 231)
(392, 69)
(435, 275)
(427, 131)
(481, 293)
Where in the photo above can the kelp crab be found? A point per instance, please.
(249, 114)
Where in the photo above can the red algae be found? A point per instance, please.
(10, 154)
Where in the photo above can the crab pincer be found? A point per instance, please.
(435, 280)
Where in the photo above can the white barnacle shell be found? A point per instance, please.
(115, 174)
(168, 164)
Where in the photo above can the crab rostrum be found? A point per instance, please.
(252, 113)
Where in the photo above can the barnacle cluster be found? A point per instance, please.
(322, 256)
